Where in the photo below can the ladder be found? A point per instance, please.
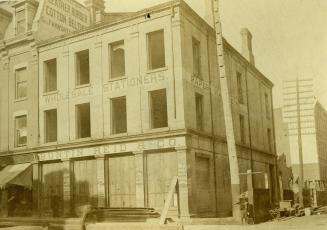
(227, 108)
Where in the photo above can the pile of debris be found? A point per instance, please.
(286, 211)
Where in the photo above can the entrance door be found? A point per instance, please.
(203, 192)
(85, 183)
(161, 168)
(52, 181)
(121, 178)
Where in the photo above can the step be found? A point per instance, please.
(131, 226)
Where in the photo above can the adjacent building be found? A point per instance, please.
(114, 111)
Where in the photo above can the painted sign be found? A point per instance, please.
(162, 143)
(65, 15)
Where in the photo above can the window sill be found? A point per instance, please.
(157, 70)
(20, 99)
(82, 139)
(118, 135)
(20, 147)
(155, 130)
(117, 78)
(50, 93)
(83, 86)
(50, 143)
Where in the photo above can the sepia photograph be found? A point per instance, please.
(163, 114)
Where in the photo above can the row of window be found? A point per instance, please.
(240, 94)
(158, 118)
(243, 133)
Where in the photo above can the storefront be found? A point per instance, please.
(16, 190)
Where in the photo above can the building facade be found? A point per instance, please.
(312, 124)
(128, 104)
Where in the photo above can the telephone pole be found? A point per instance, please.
(227, 108)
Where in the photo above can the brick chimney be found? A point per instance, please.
(247, 45)
(96, 8)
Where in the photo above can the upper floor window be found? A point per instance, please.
(118, 115)
(156, 50)
(199, 111)
(267, 106)
(82, 68)
(158, 109)
(83, 121)
(196, 58)
(21, 22)
(50, 125)
(50, 75)
(242, 129)
(240, 88)
(269, 139)
(20, 131)
(117, 59)
(21, 83)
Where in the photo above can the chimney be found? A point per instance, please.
(247, 45)
(96, 8)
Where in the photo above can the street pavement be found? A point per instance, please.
(315, 222)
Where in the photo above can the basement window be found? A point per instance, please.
(242, 129)
(50, 76)
(82, 68)
(158, 109)
(20, 131)
(196, 58)
(83, 121)
(117, 59)
(199, 111)
(21, 83)
(118, 115)
(50, 123)
(156, 50)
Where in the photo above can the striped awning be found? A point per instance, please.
(19, 174)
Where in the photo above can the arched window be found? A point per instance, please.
(117, 57)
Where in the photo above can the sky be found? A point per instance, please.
(289, 36)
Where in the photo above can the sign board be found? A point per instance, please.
(162, 143)
(64, 15)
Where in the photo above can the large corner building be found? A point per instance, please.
(107, 108)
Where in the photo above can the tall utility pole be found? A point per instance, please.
(227, 108)
(299, 137)
(296, 94)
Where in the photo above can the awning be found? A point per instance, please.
(19, 174)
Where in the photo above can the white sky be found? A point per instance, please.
(289, 36)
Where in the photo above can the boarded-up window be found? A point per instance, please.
(118, 115)
(242, 129)
(50, 123)
(196, 58)
(83, 121)
(240, 88)
(20, 22)
(199, 111)
(117, 59)
(21, 131)
(50, 75)
(156, 50)
(158, 109)
(21, 82)
(82, 68)
(85, 183)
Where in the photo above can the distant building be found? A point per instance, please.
(111, 113)
(313, 123)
